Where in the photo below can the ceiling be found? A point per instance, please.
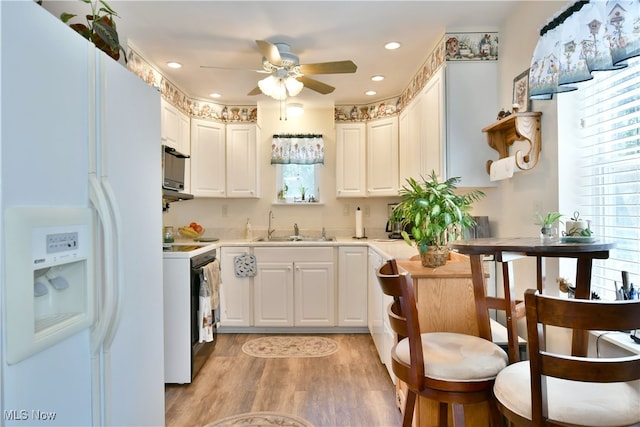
(223, 34)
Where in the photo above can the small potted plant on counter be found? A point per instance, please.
(437, 215)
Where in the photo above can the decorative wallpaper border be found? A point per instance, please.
(385, 108)
(249, 113)
(192, 107)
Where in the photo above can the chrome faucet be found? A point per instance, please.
(269, 229)
(296, 230)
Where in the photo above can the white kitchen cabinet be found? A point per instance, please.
(242, 166)
(382, 157)
(175, 128)
(374, 304)
(273, 293)
(422, 132)
(433, 129)
(235, 292)
(314, 293)
(352, 286)
(223, 159)
(472, 103)
(294, 287)
(351, 160)
(208, 150)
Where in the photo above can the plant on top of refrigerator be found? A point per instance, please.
(100, 27)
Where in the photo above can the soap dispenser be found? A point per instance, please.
(248, 231)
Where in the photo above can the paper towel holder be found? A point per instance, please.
(516, 127)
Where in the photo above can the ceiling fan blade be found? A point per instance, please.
(256, 91)
(270, 51)
(234, 69)
(312, 84)
(329, 67)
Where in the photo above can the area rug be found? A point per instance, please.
(261, 419)
(290, 346)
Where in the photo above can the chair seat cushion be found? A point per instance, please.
(573, 402)
(457, 357)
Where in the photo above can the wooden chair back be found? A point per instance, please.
(403, 315)
(580, 314)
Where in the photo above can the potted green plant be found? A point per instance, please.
(547, 232)
(436, 215)
(99, 29)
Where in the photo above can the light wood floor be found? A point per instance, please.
(348, 388)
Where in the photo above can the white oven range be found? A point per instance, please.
(183, 273)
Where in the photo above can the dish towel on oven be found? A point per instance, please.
(205, 316)
(245, 265)
(212, 275)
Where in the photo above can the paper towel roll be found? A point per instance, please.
(359, 229)
(502, 169)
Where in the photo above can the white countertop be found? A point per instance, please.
(397, 249)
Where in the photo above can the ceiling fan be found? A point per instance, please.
(287, 76)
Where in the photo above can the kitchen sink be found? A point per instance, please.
(295, 239)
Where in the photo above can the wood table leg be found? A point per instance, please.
(510, 312)
(580, 341)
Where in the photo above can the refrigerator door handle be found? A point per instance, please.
(107, 293)
(118, 288)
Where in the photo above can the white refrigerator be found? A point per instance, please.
(78, 133)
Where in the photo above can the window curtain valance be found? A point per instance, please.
(301, 149)
(596, 35)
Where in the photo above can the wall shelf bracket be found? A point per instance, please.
(516, 127)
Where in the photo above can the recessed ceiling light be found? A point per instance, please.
(370, 92)
(377, 78)
(392, 45)
(173, 64)
(295, 109)
(215, 95)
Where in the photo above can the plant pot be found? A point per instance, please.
(434, 257)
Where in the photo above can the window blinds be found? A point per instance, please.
(610, 155)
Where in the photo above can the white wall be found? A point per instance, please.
(514, 203)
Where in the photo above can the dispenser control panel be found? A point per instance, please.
(49, 280)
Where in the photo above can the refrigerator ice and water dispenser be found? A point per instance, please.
(49, 277)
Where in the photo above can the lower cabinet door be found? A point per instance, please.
(314, 292)
(235, 292)
(273, 294)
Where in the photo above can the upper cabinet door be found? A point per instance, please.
(382, 157)
(350, 160)
(242, 169)
(175, 127)
(432, 126)
(207, 158)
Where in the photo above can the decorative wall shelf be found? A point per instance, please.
(516, 127)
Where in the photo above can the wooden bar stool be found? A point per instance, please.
(561, 390)
(450, 368)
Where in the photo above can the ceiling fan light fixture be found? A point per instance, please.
(293, 86)
(273, 87)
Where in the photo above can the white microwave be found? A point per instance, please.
(173, 163)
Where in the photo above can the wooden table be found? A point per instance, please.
(506, 250)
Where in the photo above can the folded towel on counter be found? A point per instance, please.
(212, 275)
(245, 265)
